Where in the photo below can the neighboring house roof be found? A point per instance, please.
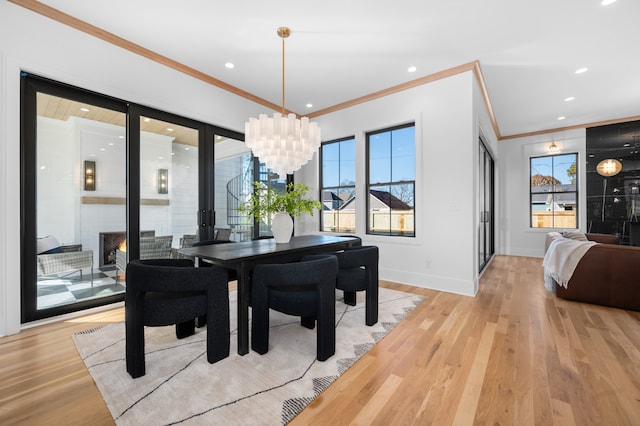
(331, 201)
(543, 196)
(383, 197)
(568, 198)
(394, 203)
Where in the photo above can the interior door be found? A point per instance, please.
(486, 202)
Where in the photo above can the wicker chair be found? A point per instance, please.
(72, 259)
(222, 234)
(150, 248)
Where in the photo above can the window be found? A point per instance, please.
(391, 175)
(337, 183)
(554, 191)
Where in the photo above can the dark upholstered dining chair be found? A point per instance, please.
(163, 292)
(305, 289)
(358, 271)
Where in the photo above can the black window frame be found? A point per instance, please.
(368, 185)
(554, 192)
(339, 187)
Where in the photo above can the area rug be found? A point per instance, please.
(181, 387)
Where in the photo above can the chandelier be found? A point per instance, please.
(283, 142)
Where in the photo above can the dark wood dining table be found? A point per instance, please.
(243, 256)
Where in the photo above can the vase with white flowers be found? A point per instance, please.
(267, 202)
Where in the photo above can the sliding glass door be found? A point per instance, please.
(104, 182)
(73, 187)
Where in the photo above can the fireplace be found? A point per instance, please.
(109, 243)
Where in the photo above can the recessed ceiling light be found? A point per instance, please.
(562, 117)
(607, 2)
(229, 65)
(412, 69)
(309, 105)
(569, 99)
(169, 129)
(186, 148)
(120, 137)
(146, 119)
(581, 70)
(627, 144)
(591, 155)
(84, 109)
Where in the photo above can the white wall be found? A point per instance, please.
(32, 43)
(447, 113)
(516, 236)
(443, 254)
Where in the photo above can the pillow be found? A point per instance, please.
(47, 245)
(575, 235)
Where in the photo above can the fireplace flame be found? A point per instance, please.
(123, 246)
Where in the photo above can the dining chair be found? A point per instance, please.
(305, 289)
(163, 292)
(358, 271)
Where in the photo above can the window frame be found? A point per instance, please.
(339, 187)
(368, 184)
(554, 192)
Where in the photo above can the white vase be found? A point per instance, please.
(281, 227)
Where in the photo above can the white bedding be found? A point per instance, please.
(561, 260)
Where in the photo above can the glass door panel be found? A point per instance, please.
(169, 190)
(268, 178)
(233, 185)
(80, 200)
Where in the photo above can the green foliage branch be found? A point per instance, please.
(266, 201)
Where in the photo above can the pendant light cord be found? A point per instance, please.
(283, 110)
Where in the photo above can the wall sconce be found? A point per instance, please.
(609, 167)
(163, 181)
(89, 175)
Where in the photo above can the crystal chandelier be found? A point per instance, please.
(283, 142)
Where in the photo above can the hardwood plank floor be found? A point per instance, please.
(515, 354)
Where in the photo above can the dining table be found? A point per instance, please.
(243, 256)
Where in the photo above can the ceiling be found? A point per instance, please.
(528, 51)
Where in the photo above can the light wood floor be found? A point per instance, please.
(515, 354)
